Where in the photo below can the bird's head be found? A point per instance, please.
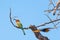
(17, 20)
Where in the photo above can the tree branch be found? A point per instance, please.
(11, 19)
(51, 20)
(51, 3)
(48, 22)
(38, 34)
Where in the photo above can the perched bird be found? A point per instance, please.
(19, 25)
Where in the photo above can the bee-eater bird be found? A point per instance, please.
(19, 25)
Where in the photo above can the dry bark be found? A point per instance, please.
(38, 34)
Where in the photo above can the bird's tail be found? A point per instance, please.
(23, 32)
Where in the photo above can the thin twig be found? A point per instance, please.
(49, 10)
(51, 3)
(11, 19)
(48, 22)
(51, 20)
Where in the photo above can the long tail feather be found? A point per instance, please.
(23, 31)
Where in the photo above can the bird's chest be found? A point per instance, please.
(19, 25)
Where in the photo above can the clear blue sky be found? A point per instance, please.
(29, 12)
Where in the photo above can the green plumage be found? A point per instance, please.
(19, 25)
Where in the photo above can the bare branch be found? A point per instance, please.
(51, 20)
(11, 19)
(49, 11)
(48, 22)
(58, 15)
(55, 7)
(51, 3)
